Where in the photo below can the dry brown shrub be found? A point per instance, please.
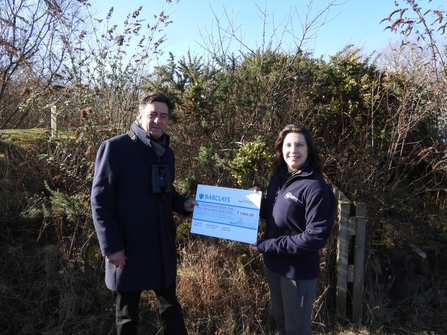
(222, 288)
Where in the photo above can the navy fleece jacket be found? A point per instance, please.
(299, 209)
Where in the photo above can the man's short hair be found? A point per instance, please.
(156, 97)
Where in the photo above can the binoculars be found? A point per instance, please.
(161, 179)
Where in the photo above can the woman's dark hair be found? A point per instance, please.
(314, 153)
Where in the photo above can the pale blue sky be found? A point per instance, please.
(354, 22)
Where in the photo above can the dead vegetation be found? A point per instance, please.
(220, 283)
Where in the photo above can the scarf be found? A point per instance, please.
(159, 146)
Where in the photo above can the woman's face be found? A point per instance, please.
(294, 151)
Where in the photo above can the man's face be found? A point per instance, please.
(154, 118)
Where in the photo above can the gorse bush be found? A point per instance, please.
(250, 164)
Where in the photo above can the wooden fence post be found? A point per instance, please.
(359, 260)
(53, 121)
(344, 209)
(350, 257)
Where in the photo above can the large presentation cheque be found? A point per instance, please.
(227, 213)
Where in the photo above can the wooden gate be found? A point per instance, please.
(350, 257)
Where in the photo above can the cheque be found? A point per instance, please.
(227, 213)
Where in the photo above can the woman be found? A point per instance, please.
(299, 208)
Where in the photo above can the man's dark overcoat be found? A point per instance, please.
(128, 215)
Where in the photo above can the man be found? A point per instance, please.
(132, 203)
